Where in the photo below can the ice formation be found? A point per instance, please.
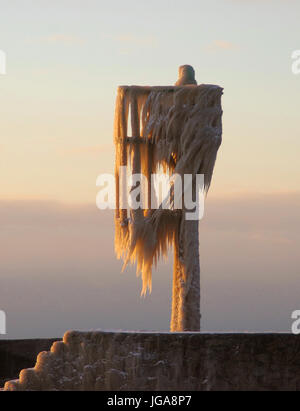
(177, 129)
(146, 361)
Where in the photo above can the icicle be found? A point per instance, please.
(177, 129)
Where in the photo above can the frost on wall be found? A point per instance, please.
(107, 361)
(165, 361)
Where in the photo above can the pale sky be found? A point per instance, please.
(59, 271)
(65, 60)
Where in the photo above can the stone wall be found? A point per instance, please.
(18, 354)
(163, 361)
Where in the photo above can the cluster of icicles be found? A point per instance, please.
(177, 129)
